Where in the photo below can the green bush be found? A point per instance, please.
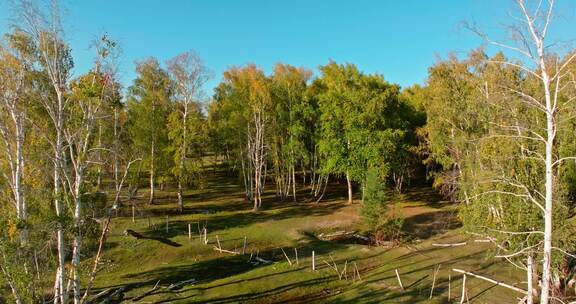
(378, 210)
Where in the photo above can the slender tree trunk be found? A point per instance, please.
(10, 281)
(363, 191)
(61, 294)
(548, 207)
(152, 159)
(18, 192)
(549, 163)
(349, 183)
(99, 170)
(116, 158)
(529, 272)
(77, 237)
(182, 158)
(294, 183)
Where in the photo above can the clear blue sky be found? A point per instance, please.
(399, 39)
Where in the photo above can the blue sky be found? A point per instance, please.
(399, 39)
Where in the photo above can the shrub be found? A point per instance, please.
(378, 210)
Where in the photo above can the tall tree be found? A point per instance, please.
(288, 86)
(547, 98)
(364, 124)
(55, 59)
(15, 72)
(243, 105)
(89, 97)
(149, 102)
(15, 68)
(188, 74)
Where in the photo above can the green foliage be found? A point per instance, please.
(363, 123)
(195, 143)
(379, 211)
(149, 105)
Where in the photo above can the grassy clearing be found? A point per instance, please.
(226, 278)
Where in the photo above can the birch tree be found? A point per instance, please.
(149, 101)
(14, 73)
(188, 74)
(14, 69)
(45, 30)
(512, 125)
(550, 71)
(88, 97)
(245, 102)
(288, 86)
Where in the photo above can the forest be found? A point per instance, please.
(330, 187)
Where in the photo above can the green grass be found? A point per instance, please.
(224, 278)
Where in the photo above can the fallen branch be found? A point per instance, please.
(224, 250)
(361, 237)
(399, 280)
(285, 255)
(218, 241)
(490, 280)
(180, 284)
(261, 260)
(434, 281)
(357, 272)
(101, 294)
(335, 235)
(108, 294)
(138, 298)
(345, 271)
(449, 245)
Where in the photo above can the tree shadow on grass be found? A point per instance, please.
(217, 222)
(426, 225)
(206, 272)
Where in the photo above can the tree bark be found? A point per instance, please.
(294, 183)
(61, 294)
(530, 279)
(152, 155)
(349, 183)
(182, 157)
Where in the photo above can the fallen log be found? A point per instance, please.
(361, 237)
(335, 235)
(261, 260)
(449, 245)
(224, 250)
(140, 297)
(179, 285)
(100, 294)
(499, 283)
(107, 297)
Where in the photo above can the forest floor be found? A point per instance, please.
(171, 256)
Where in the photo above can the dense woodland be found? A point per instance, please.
(495, 135)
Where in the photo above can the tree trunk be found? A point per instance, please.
(152, 152)
(549, 179)
(99, 170)
(116, 151)
(363, 191)
(529, 272)
(77, 244)
(18, 193)
(349, 182)
(60, 292)
(294, 183)
(182, 158)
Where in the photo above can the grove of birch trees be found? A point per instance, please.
(494, 133)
